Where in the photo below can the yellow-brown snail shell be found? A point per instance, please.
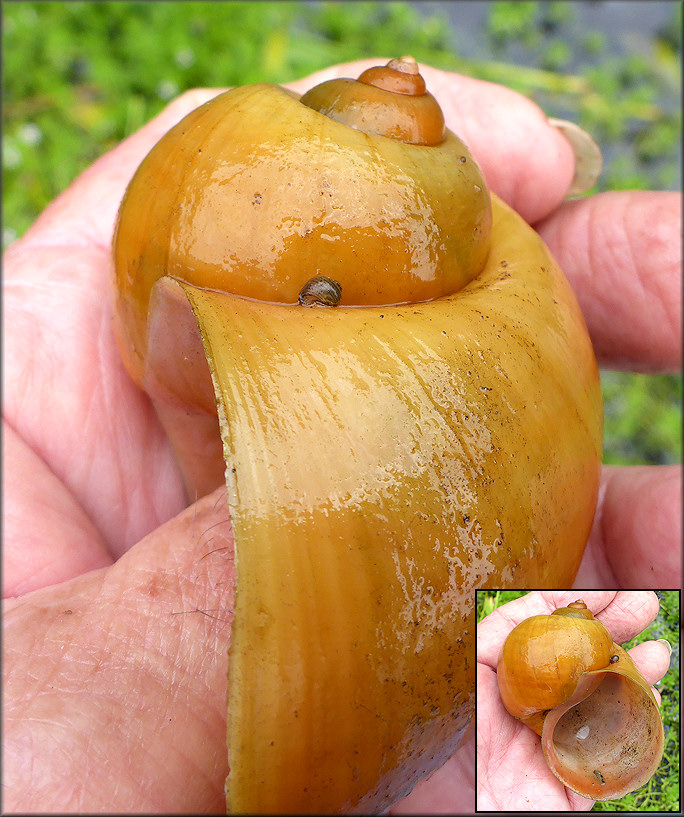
(382, 458)
(562, 675)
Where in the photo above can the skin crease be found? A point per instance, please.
(94, 513)
(610, 273)
(512, 772)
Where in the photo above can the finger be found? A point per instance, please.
(577, 802)
(47, 536)
(525, 160)
(653, 661)
(629, 613)
(115, 682)
(448, 790)
(638, 525)
(621, 252)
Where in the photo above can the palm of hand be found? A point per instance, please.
(514, 774)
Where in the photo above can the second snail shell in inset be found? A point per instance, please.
(562, 675)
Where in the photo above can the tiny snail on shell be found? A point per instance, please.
(383, 457)
(600, 725)
(320, 290)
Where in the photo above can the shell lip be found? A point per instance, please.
(620, 757)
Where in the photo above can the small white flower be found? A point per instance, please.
(167, 89)
(184, 57)
(30, 134)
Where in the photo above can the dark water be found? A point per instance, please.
(628, 27)
(628, 33)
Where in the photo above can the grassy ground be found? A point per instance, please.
(80, 76)
(661, 793)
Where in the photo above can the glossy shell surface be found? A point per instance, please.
(383, 458)
(441, 471)
(314, 197)
(543, 659)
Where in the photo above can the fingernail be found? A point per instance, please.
(588, 159)
(667, 644)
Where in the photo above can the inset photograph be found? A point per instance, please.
(577, 704)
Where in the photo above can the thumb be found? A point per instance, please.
(115, 681)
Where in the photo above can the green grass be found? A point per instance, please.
(80, 76)
(661, 793)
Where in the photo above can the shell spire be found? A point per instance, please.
(386, 100)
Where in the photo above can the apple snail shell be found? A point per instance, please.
(600, 725)
(384, 457)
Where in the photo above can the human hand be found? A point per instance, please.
(96, 699)
(512, 774)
